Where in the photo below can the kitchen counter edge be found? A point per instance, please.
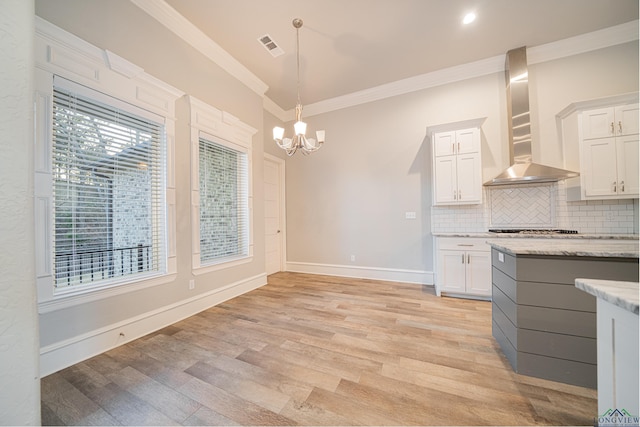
(603, 249)
(537, 236)
(622, 294)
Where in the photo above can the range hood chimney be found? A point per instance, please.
(522, 170)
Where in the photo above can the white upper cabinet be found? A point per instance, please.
(627, 164)
(457, 167)
(456, 142)
(610, 152)
(610, 121)
(626, 120)
(601, 139)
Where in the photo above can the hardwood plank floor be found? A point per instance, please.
(316, 350)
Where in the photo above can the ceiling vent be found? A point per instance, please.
(270, 45)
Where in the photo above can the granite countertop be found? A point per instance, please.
(568, 247)
(623, 294)
(538, 236)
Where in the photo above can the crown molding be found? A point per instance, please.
(184, 29)
(276, 110)
(607, 37)
(408, 85)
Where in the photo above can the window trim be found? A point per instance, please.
(62, 54)
(222, 128)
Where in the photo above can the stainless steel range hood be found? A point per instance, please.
(522, 170)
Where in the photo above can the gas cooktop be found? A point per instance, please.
(532, 231)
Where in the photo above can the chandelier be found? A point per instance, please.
(299, 140)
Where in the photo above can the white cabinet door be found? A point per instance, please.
(451, 269)
(628, 170)
(457, 167)
(600, 177)
(478, 273)
(469, 174)
(444, 143)
(445, 185)
(626, 119)
(468, 141)
(598, 123)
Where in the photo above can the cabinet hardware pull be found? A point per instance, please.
(620, 126)
(458, 147)
(459, 194)
(614, 187)
(455, 195)
(468, 258)
(465, 244)
(613, 130)
(453, 147)
(463, 258)
(622, 186)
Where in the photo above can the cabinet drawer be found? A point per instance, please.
(463, 244)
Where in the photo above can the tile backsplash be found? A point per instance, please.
(537, 206)
(522, 207)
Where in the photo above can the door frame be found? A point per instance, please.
(283, 208)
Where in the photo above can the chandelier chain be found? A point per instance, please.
(298, 61)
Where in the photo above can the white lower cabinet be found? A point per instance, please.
(463, 266)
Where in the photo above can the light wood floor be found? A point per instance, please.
(316, 350)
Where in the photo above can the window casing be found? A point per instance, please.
(89, 197)
(221, 189)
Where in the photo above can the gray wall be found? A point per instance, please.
(350, 197)
(123, 28)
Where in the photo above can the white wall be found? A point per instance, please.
(19, 379)
(69, 334)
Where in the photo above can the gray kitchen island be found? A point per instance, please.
(543, 324)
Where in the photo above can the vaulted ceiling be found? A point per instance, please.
(348, 46)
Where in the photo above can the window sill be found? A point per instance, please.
(73, 298)
(203, 269)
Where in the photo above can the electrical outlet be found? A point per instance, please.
(410, 215)
(192, 284)
(609, 216)
(353, 258)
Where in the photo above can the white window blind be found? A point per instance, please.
(224, 206)
(108, 189)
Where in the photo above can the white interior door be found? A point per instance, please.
(274, 213)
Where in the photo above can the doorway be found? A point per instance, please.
(274, 214)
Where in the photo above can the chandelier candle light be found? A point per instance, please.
(299, 141)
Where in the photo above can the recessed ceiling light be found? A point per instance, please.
(469, 18)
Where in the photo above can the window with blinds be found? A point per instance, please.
(108, 190)
(224, 206)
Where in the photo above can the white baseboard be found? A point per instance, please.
(63, 354)
(389, 274)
